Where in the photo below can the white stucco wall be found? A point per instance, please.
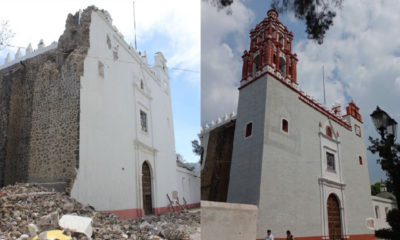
(300, 175)
(381, 206)
(295, 183)
(188, 183)
(113, 146)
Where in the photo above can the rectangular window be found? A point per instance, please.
(376, 211)
(357, 129)
(249, 128)
(285, 125)
(330, 161)
(100, 69)
(143, 121)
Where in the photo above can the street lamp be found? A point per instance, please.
(384, 124)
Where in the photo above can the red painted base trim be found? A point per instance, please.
(139, 212)
(127, 213)
(164, 210)
(193, 205)
(349, 237)
(362, 237)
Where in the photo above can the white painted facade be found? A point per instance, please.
(117, 87)
(381, 207)
(301, 176)
(188, 185)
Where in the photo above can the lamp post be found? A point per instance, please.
(389, 151)
(389, 159)
(384, 124)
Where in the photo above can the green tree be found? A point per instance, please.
(389, 159)
(375, 188)
(196, 148)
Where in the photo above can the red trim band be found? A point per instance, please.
(349, 237)
(127, 213)
(139, 212)
(305, 99)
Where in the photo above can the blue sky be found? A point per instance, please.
(360, 55)
(172, 28)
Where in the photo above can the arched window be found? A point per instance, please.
(328, 131)
(141, 84)
(285, 125)
(255, 64)
(281, 38)
(377, 211)
(282, 66)
(360, 160)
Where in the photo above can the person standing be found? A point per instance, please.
(289, 235)
(269, 235)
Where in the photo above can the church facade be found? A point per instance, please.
(89, 115)
(302, 164)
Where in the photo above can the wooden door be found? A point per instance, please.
(146, 189)
(334, 220)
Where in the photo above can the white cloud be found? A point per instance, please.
(358, 54)
(221, 65)
(362, 62)
(397, 83)
(172, 27)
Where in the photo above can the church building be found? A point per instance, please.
(304, 165)
(89, 115)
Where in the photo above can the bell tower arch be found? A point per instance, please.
(270, 50)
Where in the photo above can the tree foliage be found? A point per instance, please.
(5, 34)
(393, 218)
(196, 147)
(317, 15)
(389, 159)
(375, 188)
(221, 4)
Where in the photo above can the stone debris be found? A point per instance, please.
(28, 210)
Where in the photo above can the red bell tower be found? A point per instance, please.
(270, 51)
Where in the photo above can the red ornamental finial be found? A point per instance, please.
(272, 13)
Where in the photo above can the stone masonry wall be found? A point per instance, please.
(5, 89)
(16, 98)
(216, 171)
(39, 138)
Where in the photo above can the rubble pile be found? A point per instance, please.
(27, 210)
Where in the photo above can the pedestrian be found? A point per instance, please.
(289, 235)
(269, 235)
